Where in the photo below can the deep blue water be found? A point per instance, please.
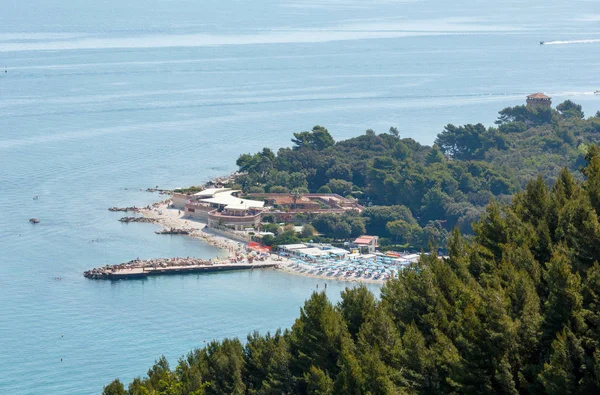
(102, 99)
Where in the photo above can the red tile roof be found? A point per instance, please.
(538, 95)
(364, 240)
(287, 199)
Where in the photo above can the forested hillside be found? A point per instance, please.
(514, 310)
(419, 193)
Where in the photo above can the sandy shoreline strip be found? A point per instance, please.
(173, 218)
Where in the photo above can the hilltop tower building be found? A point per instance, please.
(539, 100)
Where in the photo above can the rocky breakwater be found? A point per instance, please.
(174, 231)
(139, 269)
(125, 209)
(138, 219)
(143, 266)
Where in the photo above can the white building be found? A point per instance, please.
(221, 207)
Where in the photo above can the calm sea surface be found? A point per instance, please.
(102, 99)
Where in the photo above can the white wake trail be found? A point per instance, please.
(572, 42)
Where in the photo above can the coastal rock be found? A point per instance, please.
(174, 231)
(160, 191)
(138, 219)
(106, 272)
(139, 269)
(135, 209)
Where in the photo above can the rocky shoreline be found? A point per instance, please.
(105, 272)
(173, 231)
(160, 191)
(174, 222)
(169, 218)
(139, 269)
(125, 209)
(138, 219)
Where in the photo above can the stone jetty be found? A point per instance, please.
(138, 219)
(174, 231)
(135, 209)
(143, 268)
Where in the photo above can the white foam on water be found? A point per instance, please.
(567, 42)
(31, 36)
(205, 40)
(572, 93)
(339, 4)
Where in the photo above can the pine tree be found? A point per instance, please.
(526, 314)
(316, 338)
(490, 231)
(350, 379)
(279, 377)
(114, 388)
(557, 375)
(514, 309)
(591, 302)
(416, 361)
(258, 352)
(318, 382)
(592, 172)
(380, 335)
(562, 308)
(457, 251)
(190, 372)
(356, 306)
(226, 367)
(532, 205)
(579, 228)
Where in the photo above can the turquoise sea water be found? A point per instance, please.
(102, 99)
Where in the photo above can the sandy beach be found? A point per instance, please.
(173, 218)
(287, 266)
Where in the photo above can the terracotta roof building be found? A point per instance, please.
(539, 100)
(368, 243)
(308, 202)
(282, 200)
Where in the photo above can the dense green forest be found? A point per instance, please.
(515, 309)
(417, 193)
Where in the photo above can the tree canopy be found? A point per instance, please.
(441, 187)
(515, 309)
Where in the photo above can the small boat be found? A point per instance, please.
(34, 220)
(597, 92)
(541, 43)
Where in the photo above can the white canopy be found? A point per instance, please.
(312, 252)
(337, 251)
(227, 199)
(290, 247)
(411, 257)
(210, 192)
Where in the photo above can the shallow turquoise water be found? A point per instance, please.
(102, 100)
